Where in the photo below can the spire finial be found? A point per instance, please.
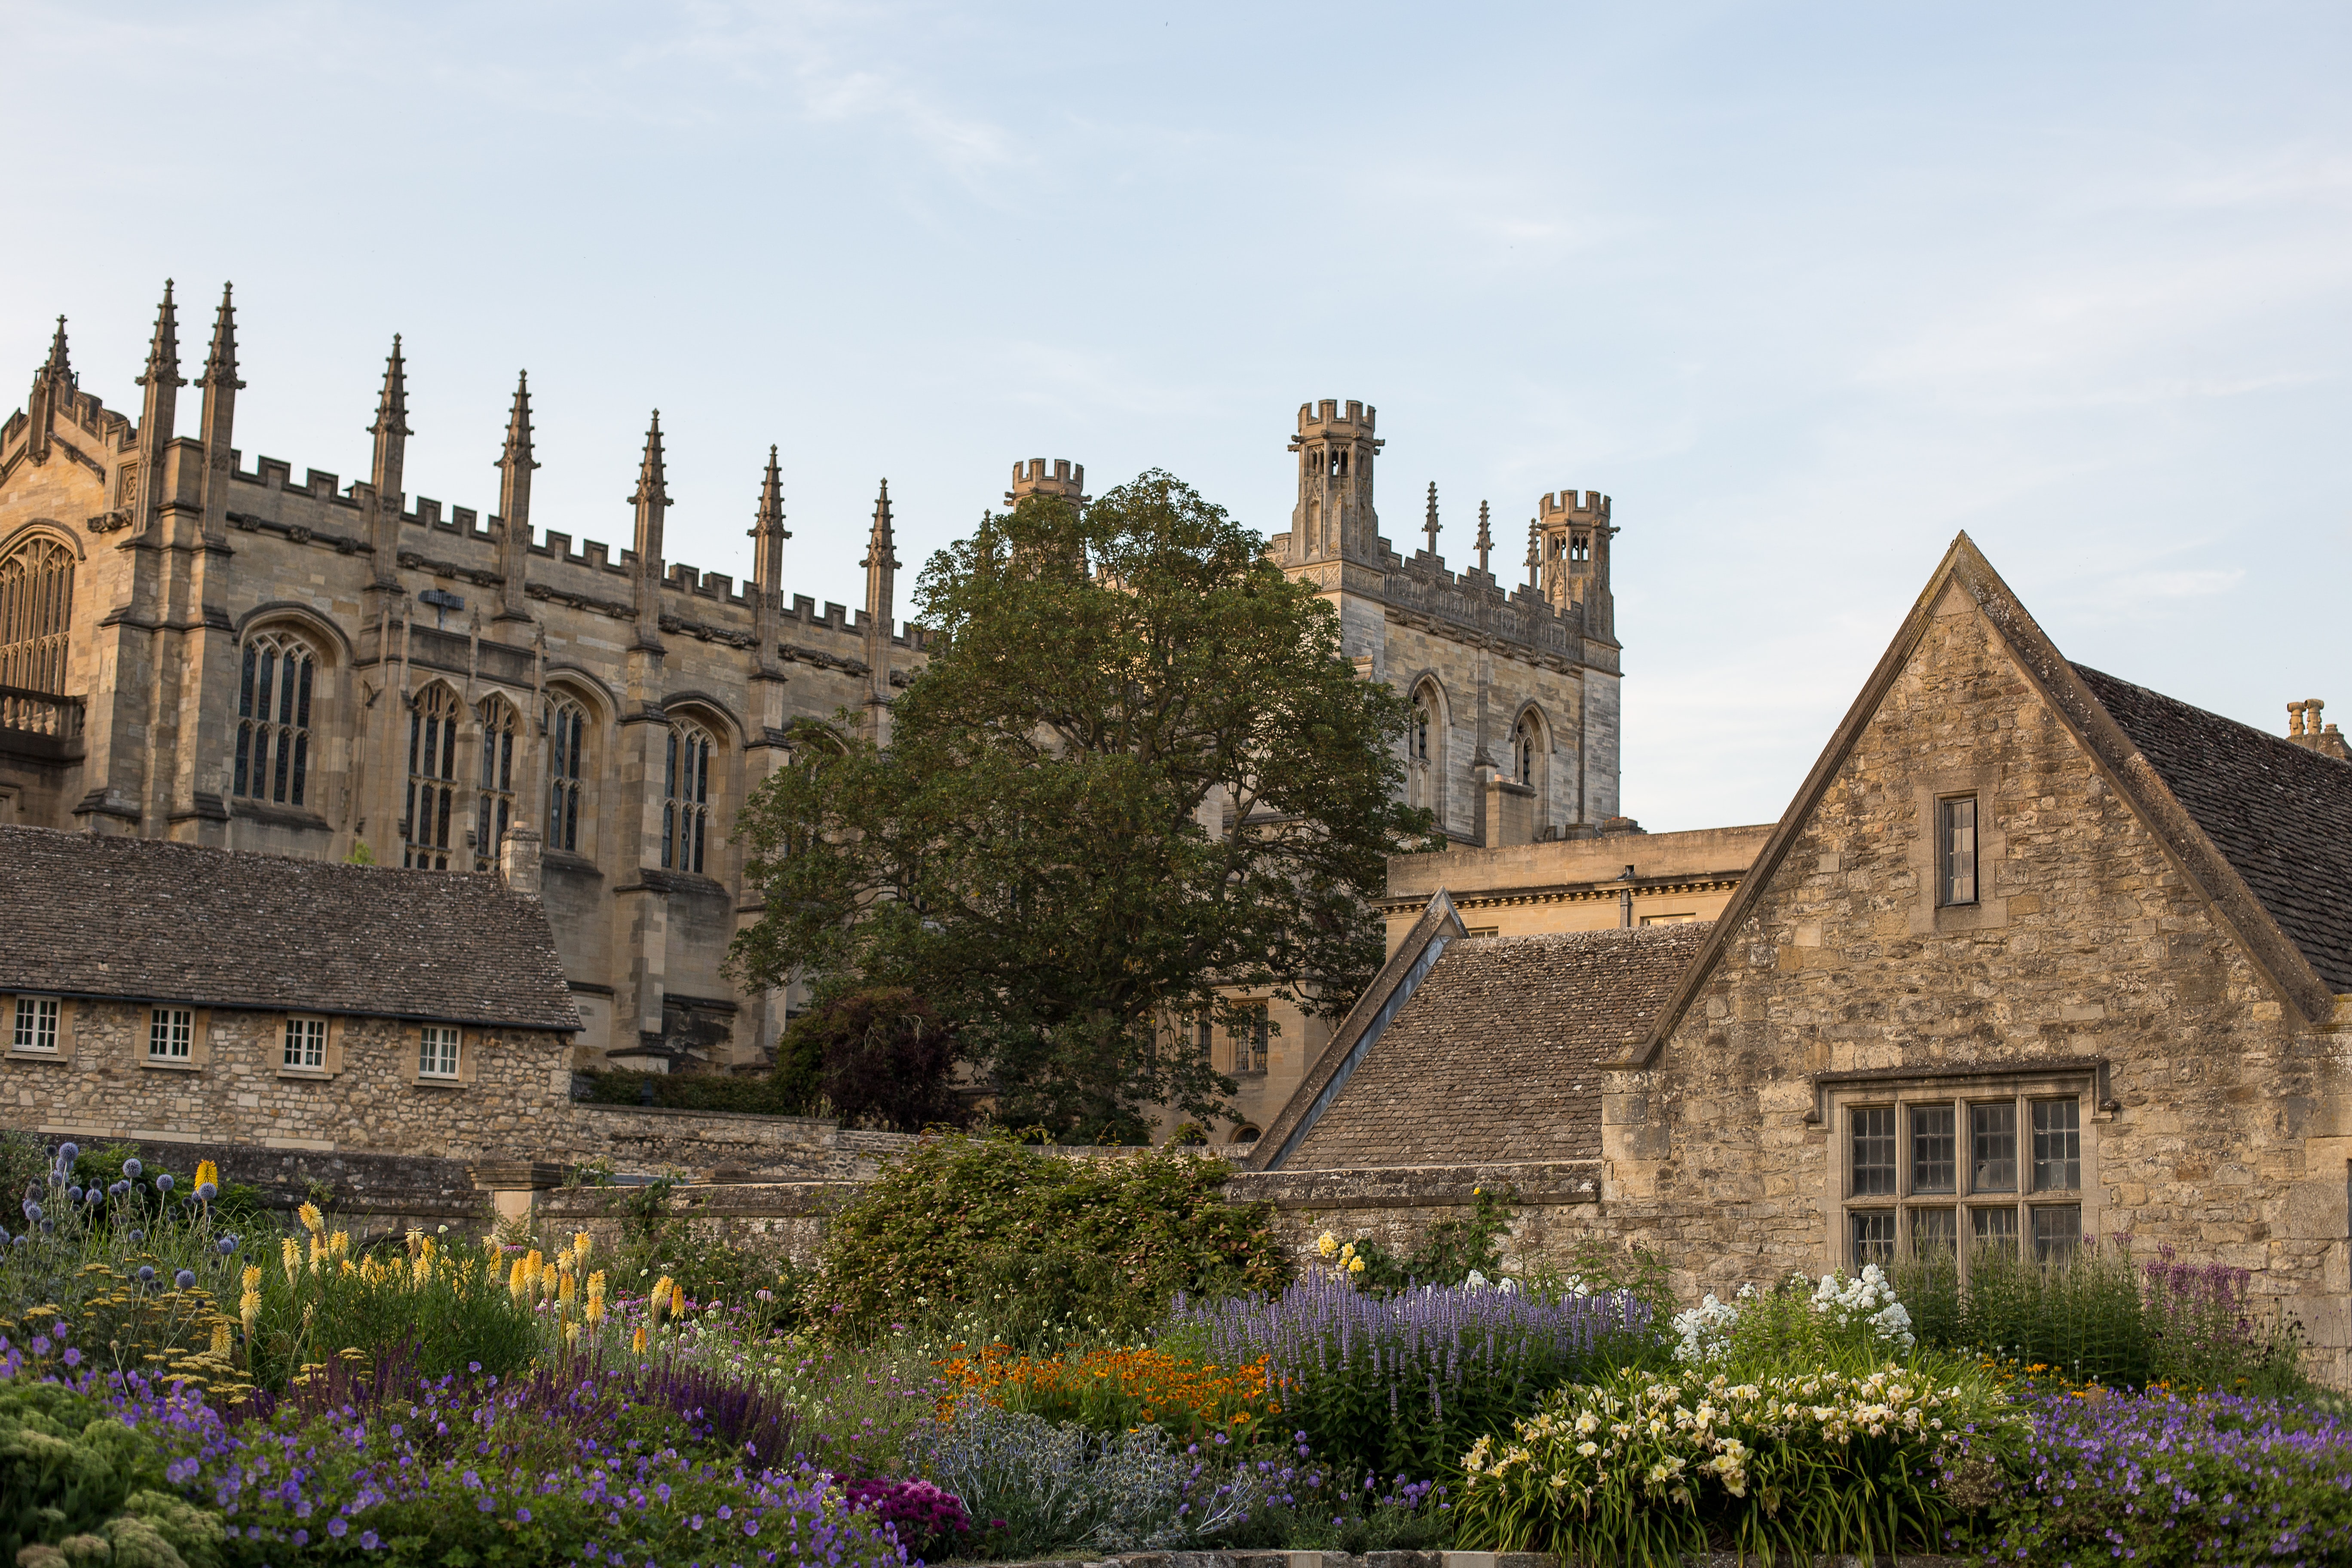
(1430, 527)
(391, 404)
(220, 360)
(58, 367)
(1485, 539)
(163, 349)
(880, 551)
(770, 518)
(1535, 556)
(516, 451)
(650, 490)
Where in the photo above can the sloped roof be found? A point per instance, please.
(1494, 1057)
(2280, 814)
(149, 920)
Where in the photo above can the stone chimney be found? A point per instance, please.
(519, 863)
(2303, 729)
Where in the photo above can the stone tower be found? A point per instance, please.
(1334, 519)
(1573, 551)
(1064, 478)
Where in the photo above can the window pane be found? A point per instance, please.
(2057, 1145)
(244, 688)
(302, 765)
(1874, 1237)
(244, 746)
(1992, 1136)
(1995, 1228)
(302, 708)
(1935, 1232)
(1935, 1165)
(2057, 1231)
(1874, 1151)
(1958, 841)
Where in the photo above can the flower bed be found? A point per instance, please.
(2163, 1480)
(1406, 1383)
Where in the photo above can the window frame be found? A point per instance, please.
(274, 753)
(37, 597)
(435, 714)
(567, 768)
(688, 796)
(1964, 1198)
(197, 1022)
(26, 1008)
(1949, 893)
(450, 1036)
(329, 1034)
(498, 796)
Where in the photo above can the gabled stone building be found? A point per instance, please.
(183, 994)
(2035, 955)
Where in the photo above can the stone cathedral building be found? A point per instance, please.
(195, 650)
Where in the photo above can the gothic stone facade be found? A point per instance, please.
(196, 649)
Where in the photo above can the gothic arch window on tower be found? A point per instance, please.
(432, 778)
(1425, 749)
(567, 765)
(495, 813)
(1528, 750)
(35, 604)
(273, 719)
(685, 805)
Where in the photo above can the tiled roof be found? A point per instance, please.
(2280, 814)
(1495, 1057)
(143, 918)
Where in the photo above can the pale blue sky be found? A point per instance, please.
(1806, 289)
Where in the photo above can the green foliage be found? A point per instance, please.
(765, 1287)
(70, 1470)
(879, 1057)
(440, 1310)
(759, 1095)
(1448, 1253)
(2101, 1317)
(966, 1222)
(1135, 770)
(1650, 1469)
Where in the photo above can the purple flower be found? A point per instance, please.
(336, 1528)
(367, 1539)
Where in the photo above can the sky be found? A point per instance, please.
(1807, 289)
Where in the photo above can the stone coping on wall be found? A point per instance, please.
(1415, 1560)
(1415, 1186)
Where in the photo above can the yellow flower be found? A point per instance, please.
(1327, 1244)
(676, 1301)
(1355, 1266)
(220, 1336)
(253, 1277)
(249, 1308)
(563, 1291)
(595, 1309)
(534, 1266)
(207, 1171)
(659, 1303)
(571, 1331)
(312, 1220)
(293, 1254)
(519, 1280)
(581, 1242)
(1348, 1252)
(637, 1341)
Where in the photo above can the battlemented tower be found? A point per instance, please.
(1573, 537)
(1334, 519)
(1063, 479)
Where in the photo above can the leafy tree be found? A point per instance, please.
(1136, 769)
(879, 1055)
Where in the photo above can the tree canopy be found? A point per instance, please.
(1136, 769)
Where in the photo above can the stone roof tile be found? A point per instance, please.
(1495, 1057)
(2280, 814)
(148, 919)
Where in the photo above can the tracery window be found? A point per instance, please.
(273, 719)
(1422, 743)
(567, 732)
(432, 778)
(495, 812)
(685, 804)
(35, 604)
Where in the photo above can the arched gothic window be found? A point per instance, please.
(1424, 749)
(495, 813)
(1526, 748)
(432, 778)
(273, 719)
(567, 737)
(686, 806)
(36, 604)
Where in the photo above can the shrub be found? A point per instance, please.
(758, 1096)
(1402, 1384)
(1851, 1323)
(69, 1470)
(2163, 1480)
(1650, 1469)
(959, 1221)
(880, 1058)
